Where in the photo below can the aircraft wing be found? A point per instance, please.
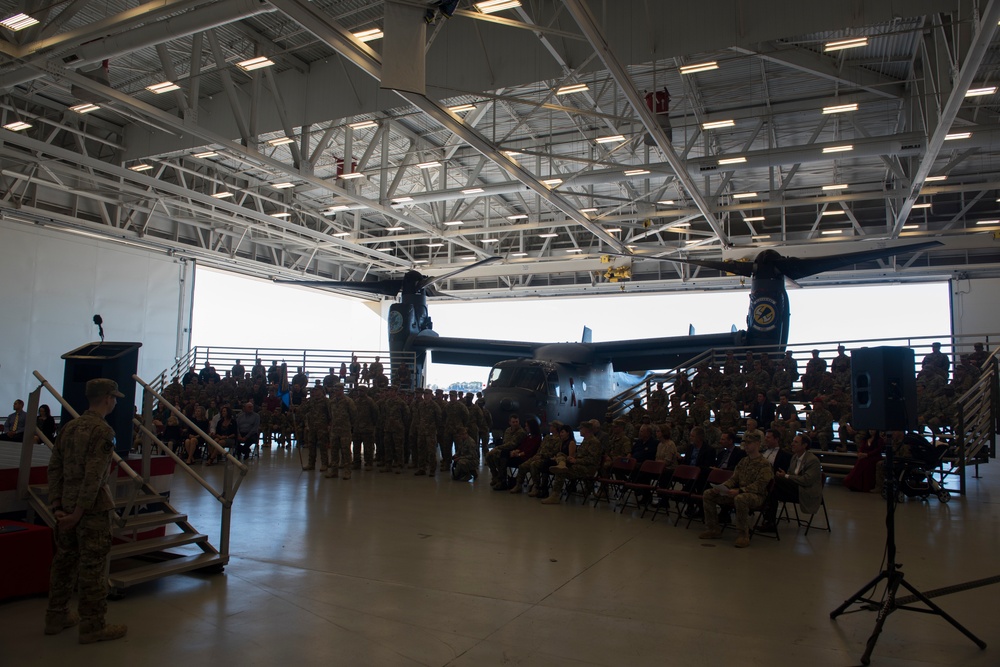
(470, 351)
(655, 353)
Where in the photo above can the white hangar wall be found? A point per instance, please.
(974, 307)
(53, 283)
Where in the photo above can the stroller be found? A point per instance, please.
(914, 474)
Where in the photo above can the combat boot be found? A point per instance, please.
(346, 474)
(743, 540)
(711, 534)
(309, 467)
(533, 493)
(517, 488)
(420, 471)
(553, 499)
(56, 622)
(107, 633)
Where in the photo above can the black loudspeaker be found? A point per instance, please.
(883, 388)
(115, 361)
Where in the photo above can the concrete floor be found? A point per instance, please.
(403, 570)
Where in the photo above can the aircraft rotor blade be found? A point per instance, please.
(428, 281)
(727, 265)
(796, 267)
(381, 287)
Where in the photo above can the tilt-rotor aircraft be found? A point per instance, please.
(572, 382)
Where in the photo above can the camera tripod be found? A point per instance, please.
(893, 576)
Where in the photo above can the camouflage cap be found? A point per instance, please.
(595, 424)
(555, 423)
(101, 387)
(751, 435)
(619, 422)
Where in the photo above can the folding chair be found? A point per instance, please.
(800, 521)
(715, 476)
(582, 486)
(679, 489)
(646, 480)
(760, 515)
(621, 471)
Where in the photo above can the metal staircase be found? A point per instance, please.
(152, 539)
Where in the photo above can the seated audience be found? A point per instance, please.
(801, 483)
(745, 490)
(862, 475)
(45, 423)
(13, 428)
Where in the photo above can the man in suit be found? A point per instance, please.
(772, 451)
(801, 482)
(763, 411)
(729, 454)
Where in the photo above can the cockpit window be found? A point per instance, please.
(554, 384)
(522, 377)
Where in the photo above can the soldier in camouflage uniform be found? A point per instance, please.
(394, 415)
(315, 414)
(699, 412)
(819, 424)
(426, 416)
(466, 456)
(728, 417)
(747, 491)
(343, 417)
(582, 466)
(547, 450)
(364, 431)
(81, 501)
(455, 415)
(477, 420)
(496, 458)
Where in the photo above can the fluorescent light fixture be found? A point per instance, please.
(614, 138)
(353, 174)
(575, 88)
(635, 172)
(259, 62)
(552, 182)
(744, 195)
(18, 22)
(518, 254)
(574, 250)
(280, 141)
(718, 124)
(666, 202)
(924, 205)
(835, 186)
(428, 165)
(402, 200)
(988, 222)
(832, 232)
(839, 149)
(489, 241)
(754, 218)
(548, 235)
(613, 230)
(842, 44)
(760, 237)
(86, 107)
(420, 261)
(682, 224)
(588, 210)
(841, 108)
(362, 124)
(472, 191)
(225, 194)
(395, 229)
(834, 212)
(732, 160)
(369, 35)
(979, 92)
(935, 179)
(142, 166)
(282, 186)
(493, 6)
(453, 223)
(459, 108)
(512, 153)
(911, 226)
(434, 245)
(281, 215)
(17, 126)
(517, 216)
(336, 209)
(163, 87)
(957, 135)
(341, 234)
(699, 67)
(206, 154)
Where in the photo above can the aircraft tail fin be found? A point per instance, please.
(588, 335)
(733, 329)
(690, 330)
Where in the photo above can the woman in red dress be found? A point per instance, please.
(862, 475)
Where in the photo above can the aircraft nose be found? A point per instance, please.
(509, 404)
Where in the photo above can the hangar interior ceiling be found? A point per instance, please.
(532, 141)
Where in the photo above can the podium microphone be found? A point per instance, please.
(99, 321)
